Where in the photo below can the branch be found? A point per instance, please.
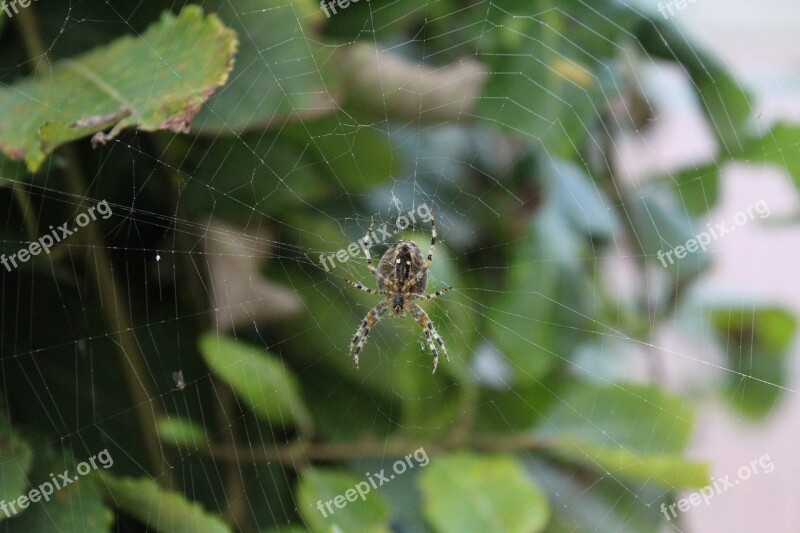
(301, 453)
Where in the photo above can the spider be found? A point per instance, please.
(402, 277)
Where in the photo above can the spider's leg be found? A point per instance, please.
(433, 295)
(360, 338)
(360, 287)
(367, 243)
(425, 323)
(426, 265)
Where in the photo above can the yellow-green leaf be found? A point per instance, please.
(159, 509)
(629, 431)
(259, 380)
(155, 81)
(182, 432)
(470, 493)
(322, 499)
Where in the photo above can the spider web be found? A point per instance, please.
(224, 256)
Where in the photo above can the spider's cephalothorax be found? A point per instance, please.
(402, 276)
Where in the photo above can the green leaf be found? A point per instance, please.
(10, 171)
(259, 379)
(629, 431)
(237, 177)
(542, 84)
(290, 529)
(156, 81)
(579, 198)
(536, 323)
(318, 486)
(17, 459)
(757, 343)
(520, 405)
(380, 17)
(727, 105)
(589, 503)
(182, 432)
(159, 509)
(779, 146)
(465, 492)
(58, 513)
(699, 188)
(662, 226)
(276, 77)
(320, 381)
(355, 158)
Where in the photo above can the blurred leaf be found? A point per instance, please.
(344, 412)
(537, 321)
(726, 103)
(668, 471)
(156, 81)
(515, 407)
(10, 170)
(757, 343)
(290, 529)
(378, 17)
(628, 431)
(662, 226)
(76, 508)
(354, 158)
(182, 432)
(779, 146)
(160, 510)
(404, 499)
(318, 486)
(465, 492)
(277, 77)
(259, 379)
(699, 188)
(419, 390)
(589, 503)
(16, 459)
(236, 178)
(579, 198)
(419, 92)
(542, 85)
(240, 295)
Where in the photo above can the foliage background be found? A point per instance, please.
(505, 117)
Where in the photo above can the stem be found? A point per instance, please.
(114, 306)
(234, 477)
(470, 394)
(28, 216)
(299, 454)
(31, 37)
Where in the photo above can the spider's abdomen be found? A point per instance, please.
(400, 263)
